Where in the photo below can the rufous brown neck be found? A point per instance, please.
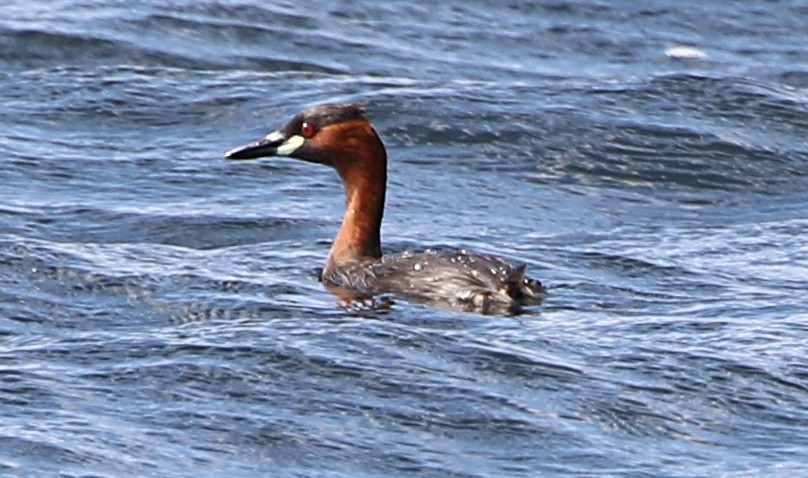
(362, 166)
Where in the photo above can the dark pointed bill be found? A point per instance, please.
(266, 146)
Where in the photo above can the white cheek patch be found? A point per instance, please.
(290, 145)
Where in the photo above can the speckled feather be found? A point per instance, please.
(459, 279)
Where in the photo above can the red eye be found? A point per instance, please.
(307, 130)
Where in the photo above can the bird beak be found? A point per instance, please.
(273, 144)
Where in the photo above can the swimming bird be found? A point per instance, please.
(340, 136)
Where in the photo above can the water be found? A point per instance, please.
(159, 308)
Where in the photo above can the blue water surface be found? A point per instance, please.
(160, 313)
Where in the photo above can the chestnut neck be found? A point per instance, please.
(362, 166)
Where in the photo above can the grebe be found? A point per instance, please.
(339, 135)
